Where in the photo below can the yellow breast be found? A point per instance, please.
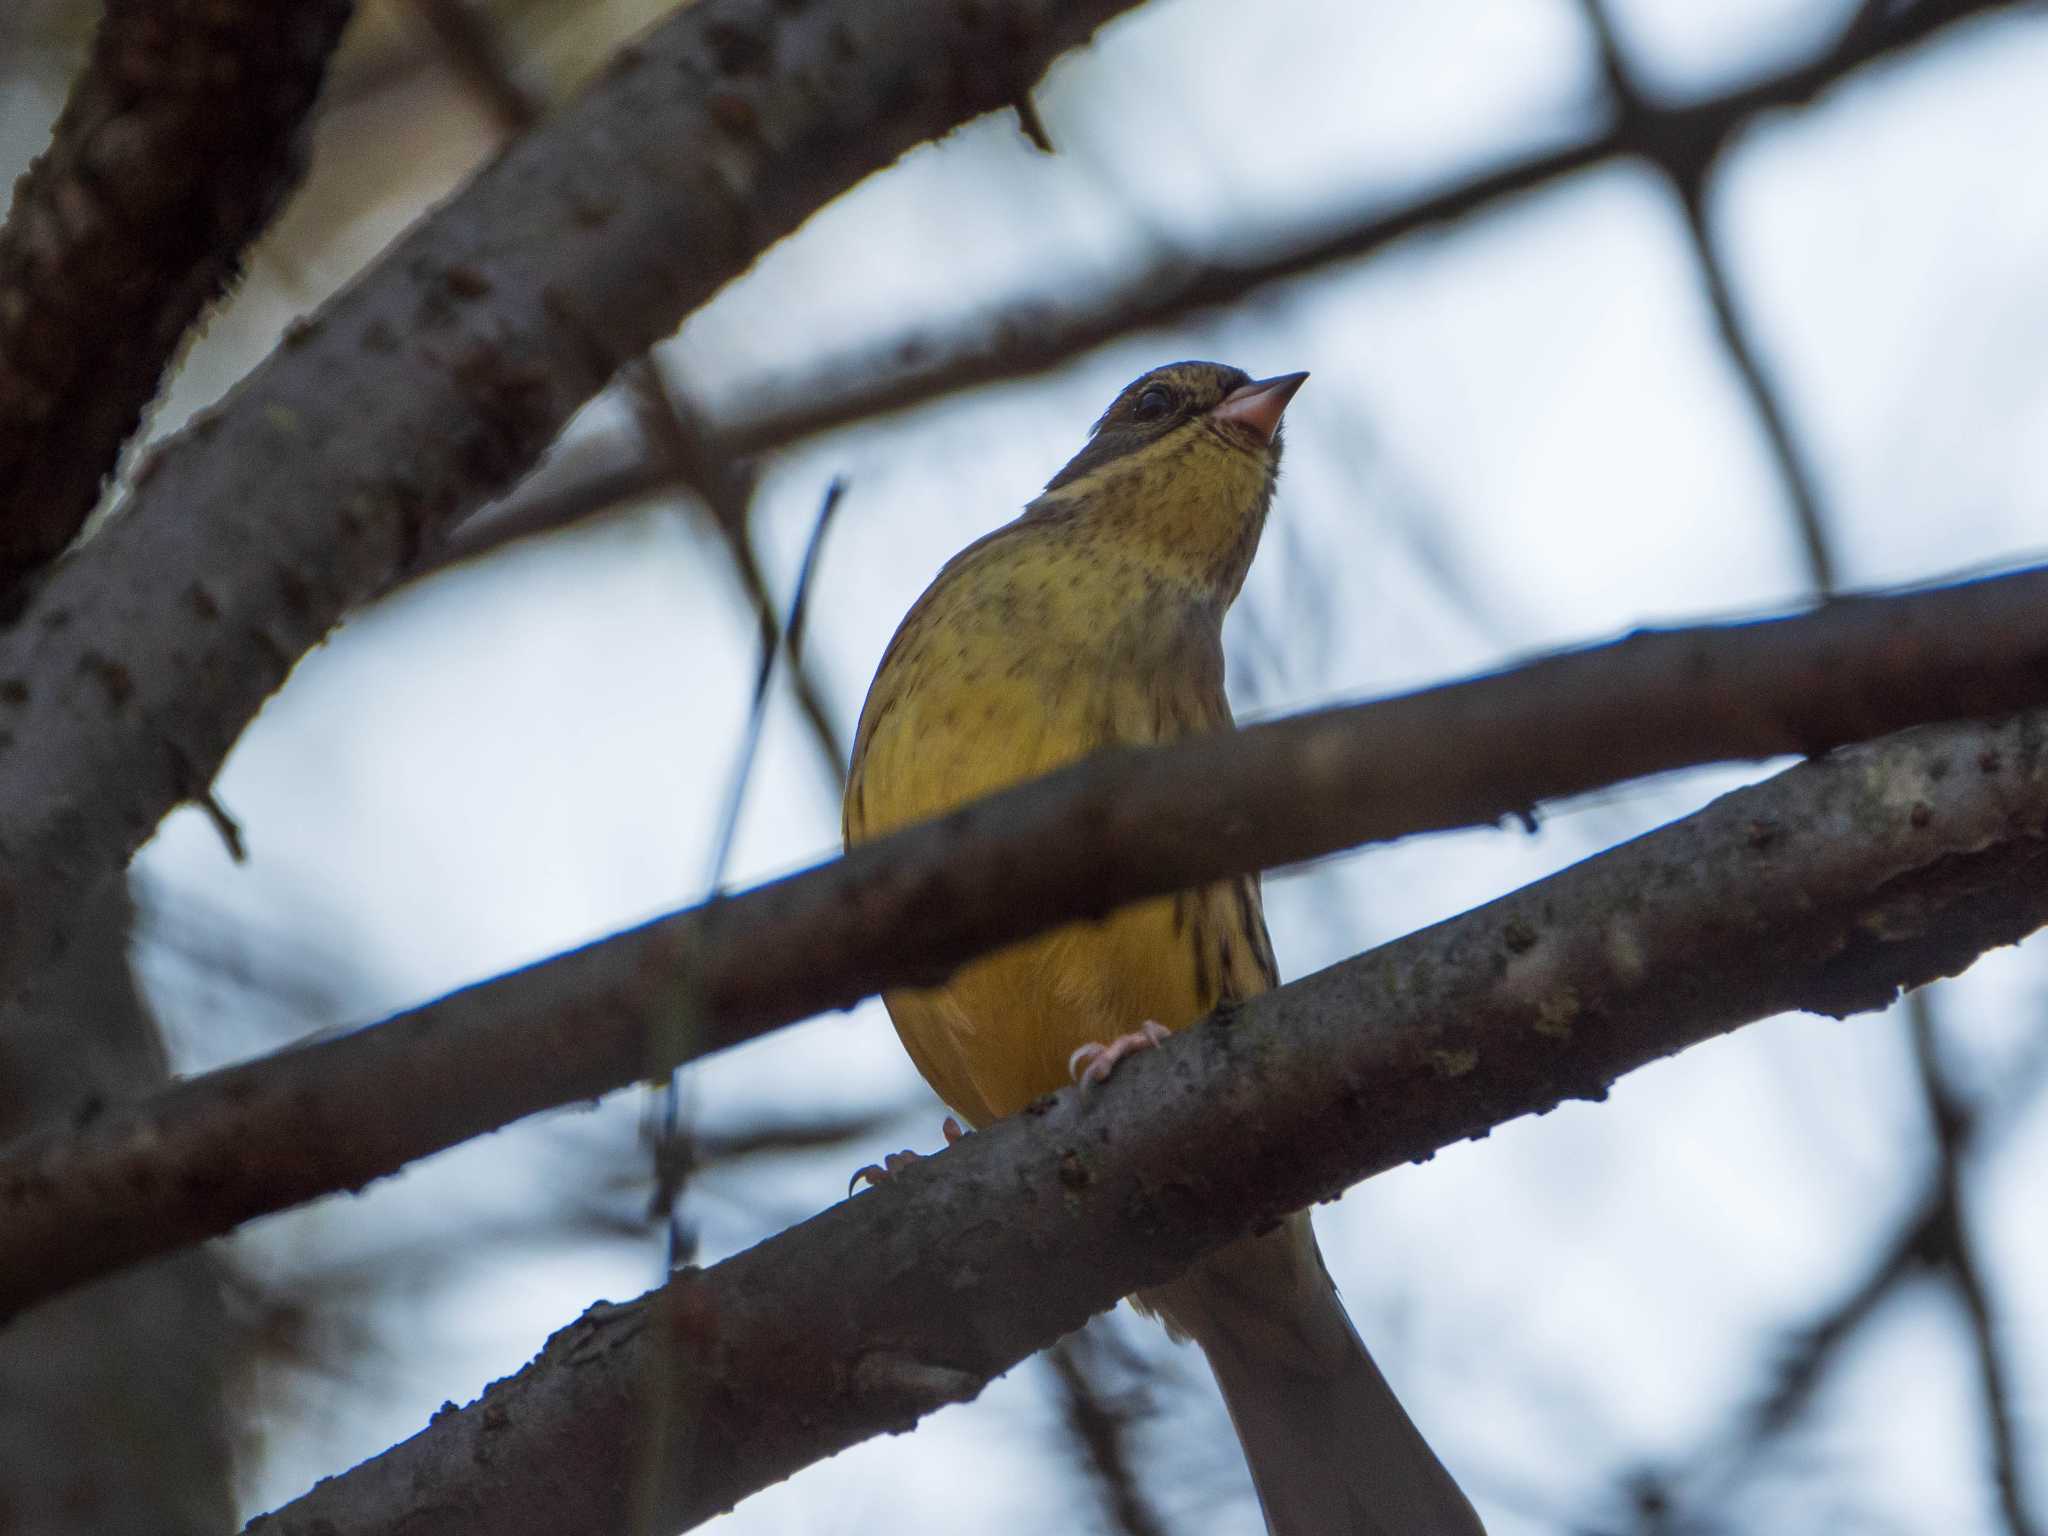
(1034, 648)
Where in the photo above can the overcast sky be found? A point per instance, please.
(1519, 433)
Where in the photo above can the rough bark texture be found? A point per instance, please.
(112, 1413)
(1826, 888)
(435, 379)
(177, 145)
(211, 1153)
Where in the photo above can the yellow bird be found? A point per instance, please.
(1097, 618)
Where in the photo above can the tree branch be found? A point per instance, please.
(178, 143)
(1025, 336)
(1030, 336)
(676, 448)
(894, 1304)
(1952, 1250)
(435, 379)
(904, 911)
(1688, 173)
(1922, 1240)
(1937, 1234)
(1099, 1420)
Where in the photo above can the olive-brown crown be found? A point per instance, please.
(1156, 405)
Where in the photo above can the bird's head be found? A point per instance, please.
(1182, 465)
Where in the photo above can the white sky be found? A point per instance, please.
(1519, 434)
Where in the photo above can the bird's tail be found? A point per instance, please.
(1331, 1451)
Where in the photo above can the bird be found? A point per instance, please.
(1095, 619)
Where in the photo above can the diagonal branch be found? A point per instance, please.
(1031, 336)
(1688, 171)
(903, 911)
(1923, 1240)
(1099, 1420)
(1953, 1250)
(892, 1305)
(1024, 336)
(678, 453)
(178, 143)
(438, 377)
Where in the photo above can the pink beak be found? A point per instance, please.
(1257, 406)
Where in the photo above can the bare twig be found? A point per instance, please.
(678, 454)
(725, 487)
(757, 709)
(1954, 1123)
(1923, 1241)
(674, 1154)
(906, 910)
(1031, 336)
(1688, 171)
(1099, 1418)
(469, 44)
(1021, 337)
(593, 492)
(893, 1304)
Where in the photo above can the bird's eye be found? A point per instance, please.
(1152, 404)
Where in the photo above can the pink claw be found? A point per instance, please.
(896, 1162)
(1093, 1062)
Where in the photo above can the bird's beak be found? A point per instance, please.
(1256, 407)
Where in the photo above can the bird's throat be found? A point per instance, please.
(1189, 509)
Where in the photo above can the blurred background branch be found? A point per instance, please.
(181, 138)
(1596, 322)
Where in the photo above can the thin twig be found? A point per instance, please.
(1954, 1124)
(1688, 166)
(1099, 1419)
(668, 1135)
(1024, 337)
(757, 708)
(725, 486)
(678, 454)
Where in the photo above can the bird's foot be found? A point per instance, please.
(1093, 1062)
(896, 1162)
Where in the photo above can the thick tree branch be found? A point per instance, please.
(177, 145)
(1826, 888)
(432, 381)
(237, 1143)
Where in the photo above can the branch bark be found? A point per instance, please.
(1826, 888)
(179, 142)
(434, 380)
(217, 1150)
